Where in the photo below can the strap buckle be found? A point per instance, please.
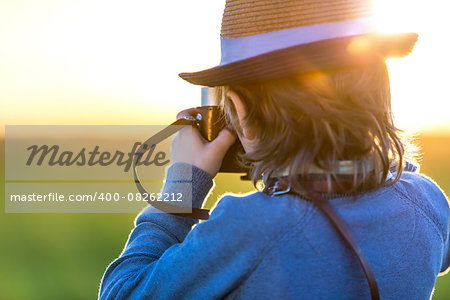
(280, 187)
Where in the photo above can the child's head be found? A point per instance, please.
(318, 120)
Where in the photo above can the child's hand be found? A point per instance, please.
(205, 155)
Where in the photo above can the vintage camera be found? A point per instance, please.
(210, 121)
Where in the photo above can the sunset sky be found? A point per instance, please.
(117, 62)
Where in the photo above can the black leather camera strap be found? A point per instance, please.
(280, 186)
(197, 213)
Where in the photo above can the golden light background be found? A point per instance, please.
(116, 62)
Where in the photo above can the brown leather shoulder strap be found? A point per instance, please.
(343, 230)
(280, 185)
(197, 213)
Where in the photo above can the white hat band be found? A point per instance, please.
(235, 49)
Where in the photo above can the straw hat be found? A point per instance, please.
(265, 39)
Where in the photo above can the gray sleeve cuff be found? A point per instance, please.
(193, 183)
(188, 180)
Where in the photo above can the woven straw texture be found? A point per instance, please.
(244, 18)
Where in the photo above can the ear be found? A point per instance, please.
(241, 112)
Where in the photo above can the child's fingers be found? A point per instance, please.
(223, 141)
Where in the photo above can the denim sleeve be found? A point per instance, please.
(165, 259)
(446, 257)
(444, 210)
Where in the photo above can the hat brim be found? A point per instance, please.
(322, 55)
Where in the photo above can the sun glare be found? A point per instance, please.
(418, 82)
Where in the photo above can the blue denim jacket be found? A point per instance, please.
(259, 247)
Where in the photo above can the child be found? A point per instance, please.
(305, 87)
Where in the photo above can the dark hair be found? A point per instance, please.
(316, 120)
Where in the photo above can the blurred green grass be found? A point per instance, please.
(63, 256)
